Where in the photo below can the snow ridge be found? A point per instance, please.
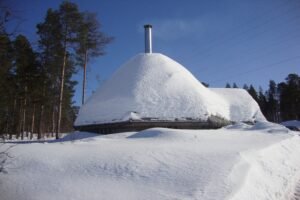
(272, 172)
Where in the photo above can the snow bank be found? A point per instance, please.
(265, 126)
(273, 172)
(77, 136)
(270, 127)
(242, 162)
(164, 134)
(238, 126)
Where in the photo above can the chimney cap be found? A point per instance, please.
(147, 26)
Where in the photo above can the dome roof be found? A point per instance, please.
(151, 85)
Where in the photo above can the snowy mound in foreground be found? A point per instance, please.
(239, 162)
(151, 86)
(163, 134)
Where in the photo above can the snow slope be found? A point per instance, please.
(236, 162)
(155, 86)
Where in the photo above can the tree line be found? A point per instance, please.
(281, 101)
(36, 85)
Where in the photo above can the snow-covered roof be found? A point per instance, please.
(242, 107)
(157, 87)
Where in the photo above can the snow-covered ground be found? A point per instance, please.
(236, 162)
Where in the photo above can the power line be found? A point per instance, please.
(258, 68)
(246, 31)
(255, 35)
(268, 45)
(260, 56)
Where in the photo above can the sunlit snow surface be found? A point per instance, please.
(155, 86)
(236, 162)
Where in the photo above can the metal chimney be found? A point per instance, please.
(148, 38)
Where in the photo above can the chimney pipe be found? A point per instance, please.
(148, 38)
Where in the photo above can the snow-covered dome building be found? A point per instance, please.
(152, 90)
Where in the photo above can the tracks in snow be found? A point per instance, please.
(296, 193)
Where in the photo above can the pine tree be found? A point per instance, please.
(272, 103)
(4, 17)
(290, 97)
(37, 89)
(235, 85)
(262, 101)
(58, 39)
(91, 43)
(6, 84)
(253, 93)
(25, 68)
(70, 21)
(205, 84)
(67, 37)
(245, 87)
(51, 51)
(228, 85)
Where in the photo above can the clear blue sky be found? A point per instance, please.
(242, 41)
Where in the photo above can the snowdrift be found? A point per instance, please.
(235, 162)
(155, 87)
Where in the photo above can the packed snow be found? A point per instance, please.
(154, 86)
(240, 161)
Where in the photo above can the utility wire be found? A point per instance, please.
(251, 58)
(222, 41)
(268, 30)
(257, 69)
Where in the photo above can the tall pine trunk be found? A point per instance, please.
(84, 76)
(41, 116)
(40, 125)
(53, 123)
(32, 122)
(62, 82)
(24, 114)
(13, 127)
(20, 124)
